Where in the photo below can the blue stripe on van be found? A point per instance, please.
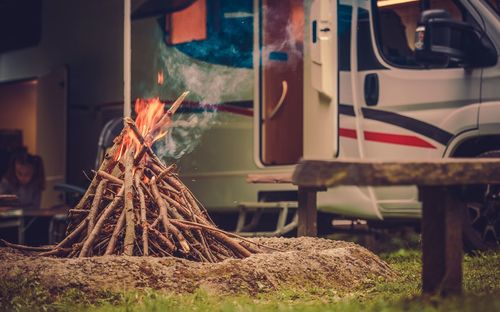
(430, 131)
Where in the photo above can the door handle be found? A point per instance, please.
(371, 89)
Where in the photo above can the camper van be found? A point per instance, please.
(336, 79)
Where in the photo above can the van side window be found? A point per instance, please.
(396, 23)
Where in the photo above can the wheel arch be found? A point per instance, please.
(473, 144)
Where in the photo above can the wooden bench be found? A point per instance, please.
(443, 211)
(307, 211)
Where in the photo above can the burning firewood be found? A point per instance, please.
(136, 205)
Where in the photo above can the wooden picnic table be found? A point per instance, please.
(443, 209)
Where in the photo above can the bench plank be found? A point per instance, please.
(317, 173)
(277, 177)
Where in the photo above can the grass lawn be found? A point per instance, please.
(481, 279)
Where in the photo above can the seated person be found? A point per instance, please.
(25, 178)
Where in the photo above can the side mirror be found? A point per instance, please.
(441, 41)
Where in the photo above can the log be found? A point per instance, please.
(320, 173)
(87, 245)
(27, 248)
(73, 235)
(131, 125)
(95, 205)
(110, 177)
(116, 232)
(129, 204)
(142, 203)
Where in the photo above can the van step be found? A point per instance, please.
(257, 208)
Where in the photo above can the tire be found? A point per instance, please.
(481, 228)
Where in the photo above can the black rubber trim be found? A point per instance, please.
(420, 127)
(417, 126)
(345, 109)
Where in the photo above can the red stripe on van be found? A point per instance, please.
(348, 133)
(399, 139)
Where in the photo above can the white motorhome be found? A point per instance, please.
(386, 79)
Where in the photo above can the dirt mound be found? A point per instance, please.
(302, 262)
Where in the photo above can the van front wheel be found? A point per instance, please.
(481, 229)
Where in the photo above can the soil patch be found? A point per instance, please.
(302, 262)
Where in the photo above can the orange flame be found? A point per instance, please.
(151, 122)
(160, 78)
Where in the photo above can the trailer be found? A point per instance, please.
(277, 81)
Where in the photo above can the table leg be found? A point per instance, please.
(442, 253)
(307, 212)
(20, 231)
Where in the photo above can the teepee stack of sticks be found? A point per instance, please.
(136, 205)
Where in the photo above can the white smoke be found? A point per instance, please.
(208, 84)
(291, 43)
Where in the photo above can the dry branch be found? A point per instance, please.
(129, 204)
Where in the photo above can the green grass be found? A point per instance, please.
(481, 283)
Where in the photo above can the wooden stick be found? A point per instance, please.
(178, 206)
(162, 238)
(167, 187)
(228, 242)
(178, 185)
(140, 155)
(131, 124)
(164, 217)
(95, 205)
(142, 202)
(219, 234)
(110, 177)
(159, 249)
(129, 204)
(73, 234)
(167, 118)
(23, 247)
(214, 229)
(97, 228)
(116, 232)
(79, 211)
(156, 221)
(102, 242)
(160, 202)
(55, 251)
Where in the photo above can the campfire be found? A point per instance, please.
(136, 205)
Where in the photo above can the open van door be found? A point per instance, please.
(297, 95)
(321, 82)
(281, 71)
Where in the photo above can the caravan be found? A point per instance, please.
(386, 79)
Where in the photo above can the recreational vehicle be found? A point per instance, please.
(333, 79)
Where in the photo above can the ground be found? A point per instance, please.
(301, 262)
(311, 275)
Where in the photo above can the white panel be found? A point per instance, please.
(321, 82)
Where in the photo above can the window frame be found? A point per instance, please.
(377, 36)
(492, 8)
